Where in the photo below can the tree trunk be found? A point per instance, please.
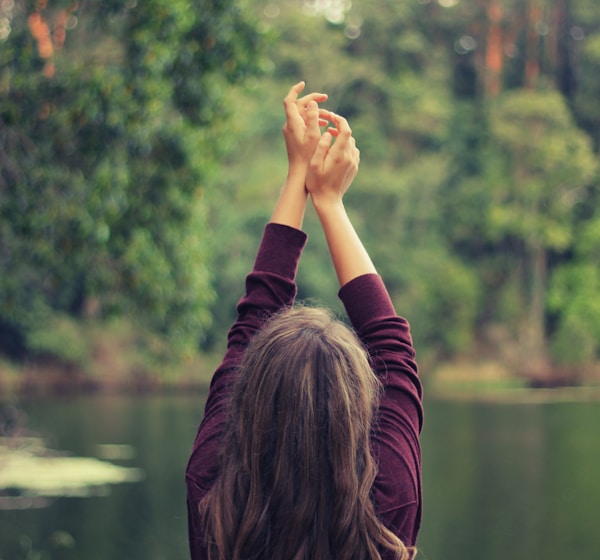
(532, 63)
(494, 51)
(534, 352)
(565, 67)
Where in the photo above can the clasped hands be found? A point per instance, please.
(328, 166)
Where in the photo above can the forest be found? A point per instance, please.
(141, 152)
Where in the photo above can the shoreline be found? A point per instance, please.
(458, 380)
(42, 380)
(514, 395)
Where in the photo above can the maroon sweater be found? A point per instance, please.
(395, 443)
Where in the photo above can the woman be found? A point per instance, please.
(309, 446)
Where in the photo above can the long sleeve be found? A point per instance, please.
(270, 286)
(395, 442)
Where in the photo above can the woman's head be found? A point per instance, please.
(305, 393)
(296, 466)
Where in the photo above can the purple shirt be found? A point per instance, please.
(395, 443)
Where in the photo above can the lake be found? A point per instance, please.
(516, 478)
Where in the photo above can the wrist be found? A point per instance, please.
(291, 204)
(325, 204)
(297, 172)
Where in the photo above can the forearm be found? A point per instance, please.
(291, 205)
(349, 256)
(271, 284)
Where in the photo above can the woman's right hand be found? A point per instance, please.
(301, 133)
(301, 129)
(332, 168)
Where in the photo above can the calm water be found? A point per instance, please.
(518, 481)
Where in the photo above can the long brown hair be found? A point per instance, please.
(296, 468)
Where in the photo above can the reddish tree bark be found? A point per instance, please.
(494, 50)
(532, 61)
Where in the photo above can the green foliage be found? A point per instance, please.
(574, 294)
(63, 338)
(441, 295)
(467, 203)
(108, 144)
(135, 179)
(549, 161)
(573, 298)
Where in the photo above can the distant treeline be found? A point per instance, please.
(140, 151)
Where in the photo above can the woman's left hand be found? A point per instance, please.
(301, 129)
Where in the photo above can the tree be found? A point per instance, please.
(111, 117)
(547, 164)
(475, 176)
(573, 301)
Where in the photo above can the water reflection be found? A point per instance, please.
(136, 520)
(519, 477)
(30, 473)
(514, 479)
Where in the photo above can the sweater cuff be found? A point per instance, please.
(366, 298)
(280, 250)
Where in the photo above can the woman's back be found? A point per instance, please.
(308, 448)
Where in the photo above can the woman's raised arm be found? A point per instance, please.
(330, 173)
(301, 133)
